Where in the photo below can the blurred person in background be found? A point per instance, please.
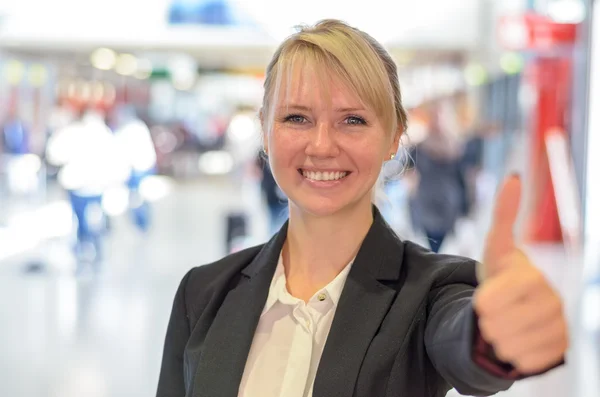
(62, 114)
(439, 195)
(135, 142)
(15, 135)
(242, 143)
(472, 160)
(335, 304)
(90, 162)
(277, 203)
(398, 187)
(21, 165)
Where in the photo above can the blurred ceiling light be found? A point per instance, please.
(126, 64)
(514, 33)
(475, 74)
(103, 59)
(13, 72)
(183, 72)
(215, 163)
(38, 75)
(184, 83)
(242, 128)
(511, 62)
(144, 69)
(182, 64)
(566, 11)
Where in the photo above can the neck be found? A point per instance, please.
(318, 248)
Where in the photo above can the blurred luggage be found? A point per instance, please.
(236, 231)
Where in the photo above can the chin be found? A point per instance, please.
(323, 207)
(315, 207)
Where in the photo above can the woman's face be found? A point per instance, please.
(325, 153)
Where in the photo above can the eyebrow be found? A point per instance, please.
(308, 109)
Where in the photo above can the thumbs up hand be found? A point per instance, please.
(520, 314)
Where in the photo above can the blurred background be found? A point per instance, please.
(129, 153)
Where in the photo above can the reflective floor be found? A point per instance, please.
(101, 335)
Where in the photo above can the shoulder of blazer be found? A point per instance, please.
(438, 269)
(201, 282)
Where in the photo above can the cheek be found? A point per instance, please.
(283, 149)
(373, 169)
(368, 158)
(284, 146)
(370, 165)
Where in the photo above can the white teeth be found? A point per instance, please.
(324, 176)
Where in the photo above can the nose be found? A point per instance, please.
(322, 141)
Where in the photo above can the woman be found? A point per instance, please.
(335, 304)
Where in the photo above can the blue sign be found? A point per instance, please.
(206, 12)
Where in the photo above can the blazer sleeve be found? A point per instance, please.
(171, 380)
(451, 330)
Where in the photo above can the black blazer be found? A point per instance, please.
(403, 327)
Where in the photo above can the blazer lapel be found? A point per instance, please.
(227, 344)
(362, 307)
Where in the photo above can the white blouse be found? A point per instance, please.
(289, 339)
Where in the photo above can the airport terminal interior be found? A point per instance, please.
(131, 151)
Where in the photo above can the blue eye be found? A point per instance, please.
(295, 119)
(355, 120)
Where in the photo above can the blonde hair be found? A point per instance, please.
(354, 57)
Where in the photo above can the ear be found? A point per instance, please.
(396, 142)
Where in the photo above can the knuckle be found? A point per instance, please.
(527, 364)
(526, 367)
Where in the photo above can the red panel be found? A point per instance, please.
(551, 80)
(534, 32)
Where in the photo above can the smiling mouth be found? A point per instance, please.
(323, 175)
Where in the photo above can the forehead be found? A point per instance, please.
(315, 86)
